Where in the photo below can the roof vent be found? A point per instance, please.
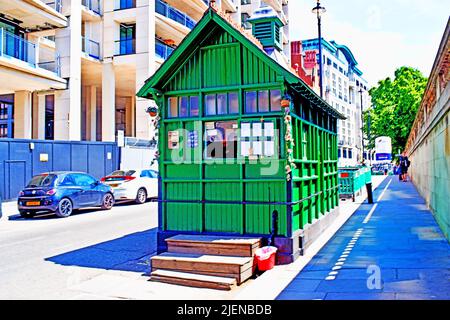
(266, 26)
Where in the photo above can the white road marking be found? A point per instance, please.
(370, 213)
(384, 190)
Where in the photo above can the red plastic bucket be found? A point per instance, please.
(265, 258)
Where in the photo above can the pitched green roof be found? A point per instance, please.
(154, 84)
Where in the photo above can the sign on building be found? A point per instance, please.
(310, 59)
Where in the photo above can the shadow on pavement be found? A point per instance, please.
(50, 215)
(128, 253)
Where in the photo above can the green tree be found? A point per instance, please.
(394, 106)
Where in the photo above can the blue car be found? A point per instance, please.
(63, 192)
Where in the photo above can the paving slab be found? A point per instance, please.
(399, 253)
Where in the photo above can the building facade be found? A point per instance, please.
(69, 70)
(343, 88)
(428, 145)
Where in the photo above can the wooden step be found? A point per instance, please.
(193, 280)
(214, 245)
(240, 268)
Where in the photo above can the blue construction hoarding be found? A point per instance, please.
(21, 159)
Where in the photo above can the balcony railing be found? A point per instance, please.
(174, 14)
(55, 4)
(163, 50)
(125, 46)
(16, 47)
(93, 5)
(124, 4)
(90, 47)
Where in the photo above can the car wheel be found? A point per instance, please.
(141, 196)
(108, 201)
(65, 208)
(27, 214)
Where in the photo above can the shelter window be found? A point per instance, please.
(262, 101)
(173, 107)
(221, 140)
(222, 103)
(194, 106)
(182, 107)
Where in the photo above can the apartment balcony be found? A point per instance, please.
(124, 4)
(35, 14)
(193, 8)
(124, 47)
(55, 5)
(27, 66)
(91, 10)
(275, 4)
(229, 5)
(162, 50)
(174, 14)
(90, 47)
(171, 23)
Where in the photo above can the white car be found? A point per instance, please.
(137, 185)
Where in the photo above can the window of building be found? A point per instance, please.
(222, 103)
(127, 42)
(335, 65)
(258, 139)
(194, 106)
(182, 107)
(275, 100)
(344, 152)
(49, 117)
(339, 152)
(221, 140)
(173, 107)
(262, 101)
(210, 104)
(250, 102)
(7, 116)
(350, 156)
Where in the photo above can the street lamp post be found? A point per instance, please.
(362, 124)
(319, 10)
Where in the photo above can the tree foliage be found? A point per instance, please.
(394, 106)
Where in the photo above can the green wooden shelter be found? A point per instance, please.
(245, 146)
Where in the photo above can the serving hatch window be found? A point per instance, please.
(257, 139)
(221, 139)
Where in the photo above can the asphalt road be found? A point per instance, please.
(45, 257)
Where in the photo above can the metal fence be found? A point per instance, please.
(90, 47)
(174, 14)
(163, 50)
(17, 47)
(352, 180)
(93, 5)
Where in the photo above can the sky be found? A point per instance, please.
(382, 34)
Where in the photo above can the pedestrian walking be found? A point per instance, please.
(404, 165)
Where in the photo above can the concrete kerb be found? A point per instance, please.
(270, 284)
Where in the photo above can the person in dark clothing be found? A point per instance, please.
(404, 165)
